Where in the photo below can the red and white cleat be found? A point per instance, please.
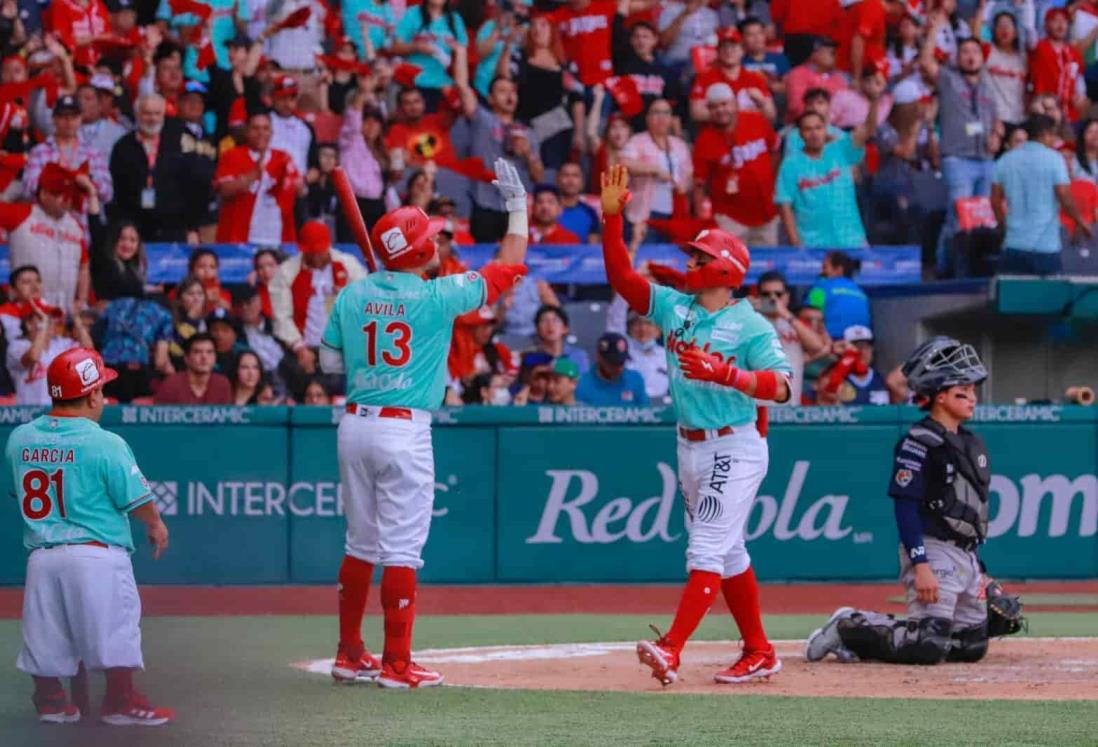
(137, 712)
(660, 658)
(348, 669)
(407, 676)
(64, 713)
(752, 665)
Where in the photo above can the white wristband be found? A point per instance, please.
(517, 222)
(515, 204)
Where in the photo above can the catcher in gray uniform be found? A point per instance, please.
(939, 485)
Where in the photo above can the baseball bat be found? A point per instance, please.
(349, 205)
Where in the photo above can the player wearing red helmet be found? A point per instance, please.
(391, 333)
(722, 356)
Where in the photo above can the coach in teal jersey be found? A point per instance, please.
(723, 356)
(390, 333)
(77, 485)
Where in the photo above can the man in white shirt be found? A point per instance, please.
(647, 356)
(290, 132)
(799, 341)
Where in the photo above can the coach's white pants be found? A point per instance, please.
(388, 471)
(80, 604)
(719, 479)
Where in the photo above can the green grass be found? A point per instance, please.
(230, 681)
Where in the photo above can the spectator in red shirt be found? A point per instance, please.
(1056, 67)
(802, 22)
(197, 384)
(751, 89)
(257, 185)
(417, 137)
(862, 36)
(544, 228)
(818, 72)
(734, 166)
(77, 23)
(585, 30)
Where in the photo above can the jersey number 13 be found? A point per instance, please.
(394, 348)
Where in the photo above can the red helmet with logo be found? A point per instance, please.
(727, 269)
(403, 238)
(77, 372)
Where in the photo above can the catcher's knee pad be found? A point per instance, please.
(969, 644)
(925, 641)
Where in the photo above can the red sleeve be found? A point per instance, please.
(230, 165)
(1042, 69)
(12, 214)
(500, 278)
(867, 19)
(619, 270)
(701, 84)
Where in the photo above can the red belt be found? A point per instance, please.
(702, 434)
(399, 413)
(93, 543)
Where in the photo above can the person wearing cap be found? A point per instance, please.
(47, 236)
(544, 228)
(162, 179)
(647, 356)
(815, 186)
(853, 380)
(97, 130)
(289, 132)
(750, 88)
(43, 339)
(803, 23)
(79, 486)
(236, 82)
(968, 121)
(609, 382)
(65, 148)
(258, 329)
(198, 383)
(1056, 65)
(305, 288)
(862, 36)
(258, 186)
(734, 159)
(818, 71)
(683, 26)
(563, 383)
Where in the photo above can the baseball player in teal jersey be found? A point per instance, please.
(390, 333)
(77, 485)
(723, 356)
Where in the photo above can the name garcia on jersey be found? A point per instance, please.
(49, 455)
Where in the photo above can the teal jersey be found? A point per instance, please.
(737, 333)
(74, 482)
(394, 329)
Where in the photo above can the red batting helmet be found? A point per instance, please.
(403, 238)
(727, 269)
(77, 372)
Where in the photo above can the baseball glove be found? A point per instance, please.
(1004, 611)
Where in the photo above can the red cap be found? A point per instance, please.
(77, 372)
(56, 179)
(314, 238)
(729, 34)
(285, 86)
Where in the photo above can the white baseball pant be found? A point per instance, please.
(719, 479)
(387, 466)
(80, 604)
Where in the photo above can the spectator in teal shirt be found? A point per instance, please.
(376, 18)
(609, 382)
(226, 14)
(424, 37)
(815, 185)
(493, 38)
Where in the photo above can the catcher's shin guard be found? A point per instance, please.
(969, 644)
(876, 637)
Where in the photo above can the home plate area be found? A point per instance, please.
(1014, 669)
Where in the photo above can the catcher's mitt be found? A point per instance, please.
(1004, 611)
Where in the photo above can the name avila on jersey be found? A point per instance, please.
(378, 308)
(573, 493)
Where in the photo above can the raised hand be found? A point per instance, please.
(615, 189)
(510, 186)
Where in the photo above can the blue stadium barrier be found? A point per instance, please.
(578, 264)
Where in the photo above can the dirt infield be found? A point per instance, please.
(1014, 669)
(1049, 596)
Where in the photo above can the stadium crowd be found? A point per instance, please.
(961, 126)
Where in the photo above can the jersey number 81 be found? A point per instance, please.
(37, 503)
(399, 336)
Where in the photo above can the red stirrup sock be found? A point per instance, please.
(119, 688)
(742, 595)
(697, 597)
(398, 600)
(354, 586)
(48, 691)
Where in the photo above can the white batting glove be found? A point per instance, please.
(510, 187)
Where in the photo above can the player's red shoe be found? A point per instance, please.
(752, 665)
(137, 711)
(347, 669)
(661, 658)
(408, 676)
(60, 713)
